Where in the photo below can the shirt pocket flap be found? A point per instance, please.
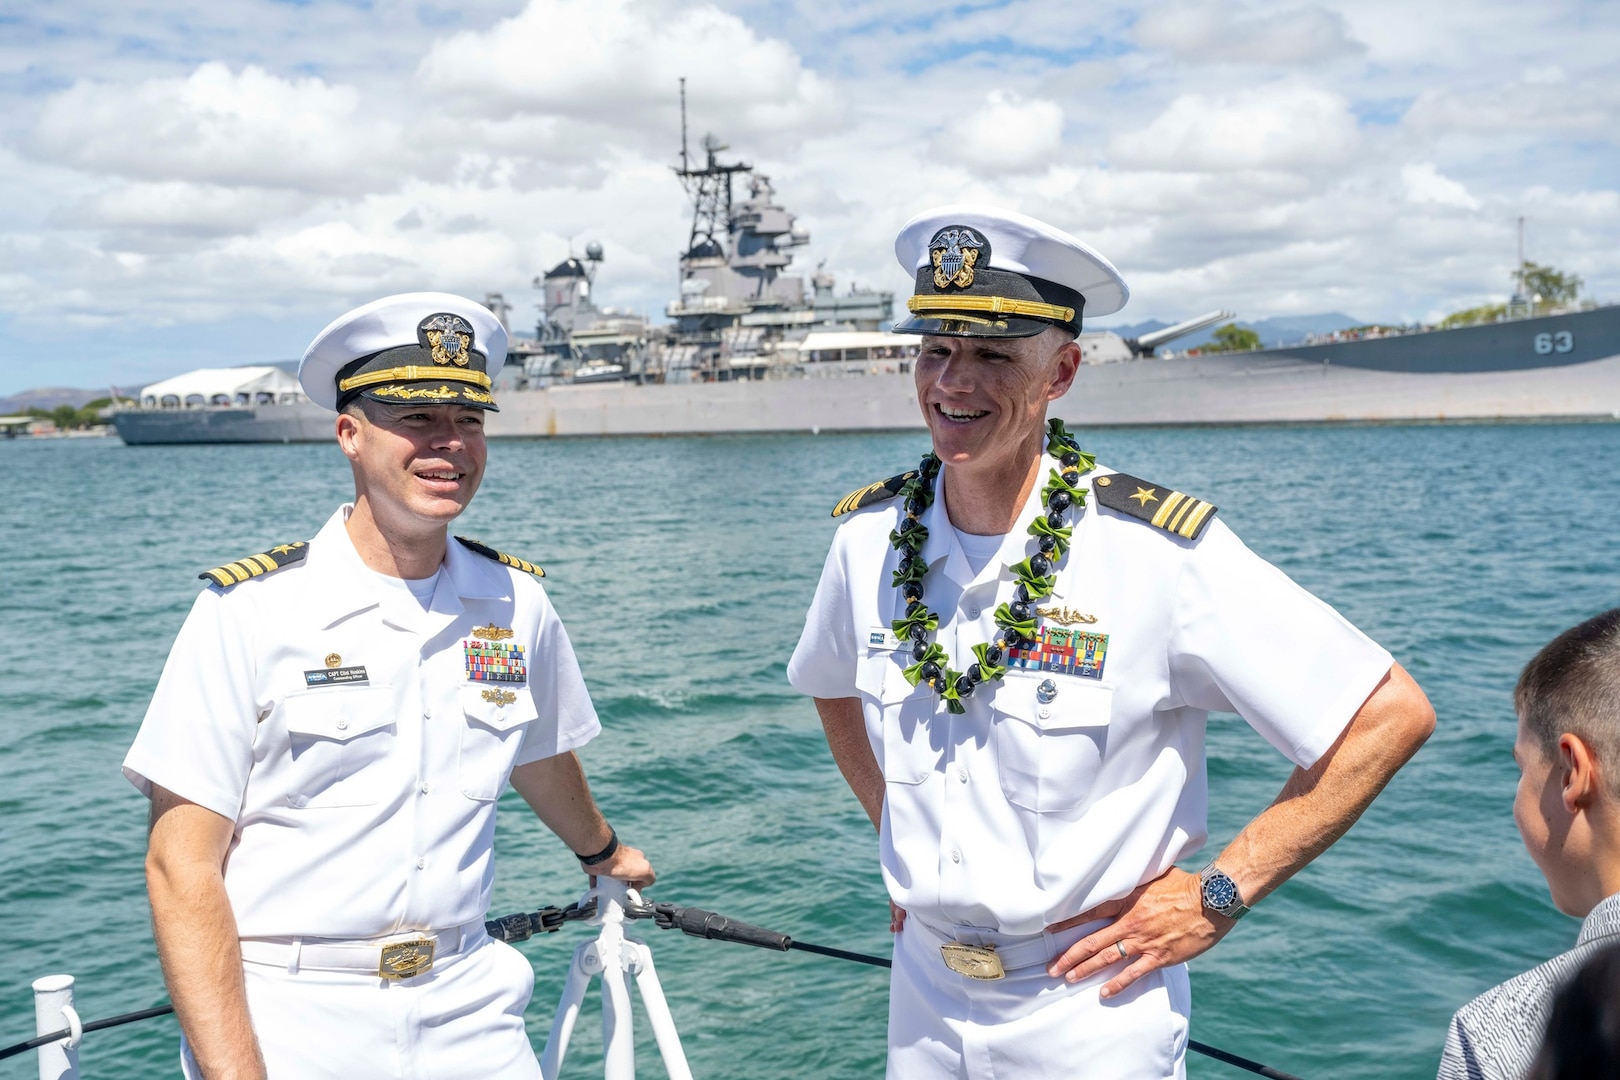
(871, 673)
(1073, 703)
(339, 715)
(498, 708)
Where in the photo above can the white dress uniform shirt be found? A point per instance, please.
(1019, 813)
(362, 808)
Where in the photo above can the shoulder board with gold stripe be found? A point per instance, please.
(1164, 508)
(252, 566)
(881, 491)
(501, 557)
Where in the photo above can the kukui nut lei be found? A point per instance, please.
(1036, 574)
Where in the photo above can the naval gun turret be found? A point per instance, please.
(1144, 344)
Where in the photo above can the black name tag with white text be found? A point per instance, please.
(342, 676)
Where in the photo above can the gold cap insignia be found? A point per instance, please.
(449, 338)
(955, 252)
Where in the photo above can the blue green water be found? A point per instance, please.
(683, 568)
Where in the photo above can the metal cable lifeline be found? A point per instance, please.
(694, 922)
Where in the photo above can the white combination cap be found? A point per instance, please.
(423, 348)
(986, 272)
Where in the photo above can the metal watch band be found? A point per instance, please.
(1213, 883)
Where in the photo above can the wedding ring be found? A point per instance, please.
(1123, 955)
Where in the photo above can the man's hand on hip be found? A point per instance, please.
(1158, 925)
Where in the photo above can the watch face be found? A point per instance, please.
(1219, 891)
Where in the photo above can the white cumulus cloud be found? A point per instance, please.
(619, 62)
(1279, 127)
(1215, 34)
(219, 126)
(1425, 184)
(1008, 133)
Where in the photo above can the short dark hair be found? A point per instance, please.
(1573, 685)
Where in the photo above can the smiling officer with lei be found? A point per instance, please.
(333, 728)
(1014, 651)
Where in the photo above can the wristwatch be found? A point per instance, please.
(1221, 893)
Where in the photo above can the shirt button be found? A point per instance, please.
(956, 855)
(961, 773)
(427, 715)
(973, 613)
(421, 864)
(424, 787)
(341, 724)
(1044, 711)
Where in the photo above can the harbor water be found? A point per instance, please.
(683, 568)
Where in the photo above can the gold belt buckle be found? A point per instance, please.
(406, 959)
(974, 961)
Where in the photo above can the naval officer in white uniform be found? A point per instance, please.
(331, 732)
(1013, 651)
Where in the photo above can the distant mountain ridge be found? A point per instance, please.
(1277, 330)
(48, 397)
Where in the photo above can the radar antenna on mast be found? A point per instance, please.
(710, 191)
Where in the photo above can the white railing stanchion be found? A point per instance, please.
(612, 955)
(53, 1011)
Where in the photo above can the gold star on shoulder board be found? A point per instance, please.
(1146, 495)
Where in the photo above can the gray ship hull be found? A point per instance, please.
(1553, 367)
(225, 424)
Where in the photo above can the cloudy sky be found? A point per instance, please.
(189, 182)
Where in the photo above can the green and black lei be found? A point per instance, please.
(1036, 574)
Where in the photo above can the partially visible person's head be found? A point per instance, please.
(1582, 1041)
(985, 399)
(1568, 752)
(416, 465)
(999, 299)
(411, 378)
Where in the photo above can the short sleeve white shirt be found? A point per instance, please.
(364, 803)
(1021, 812)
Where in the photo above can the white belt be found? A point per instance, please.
(992, 960)
(397, 956)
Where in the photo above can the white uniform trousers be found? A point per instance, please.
(462, 1019)
(945, 1026)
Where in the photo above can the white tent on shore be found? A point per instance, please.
(224, 386)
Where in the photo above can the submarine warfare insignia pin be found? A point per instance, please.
(1062, 652)
(494, 661)
(1065, 616)
(449, 338)
(501, 698)
(955, 251)
(492, 633)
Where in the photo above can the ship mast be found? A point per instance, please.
(710, 191)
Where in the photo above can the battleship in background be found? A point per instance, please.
(748, 349)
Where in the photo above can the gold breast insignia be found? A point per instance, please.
(1065, 616)
(502, 698)
(492, 633)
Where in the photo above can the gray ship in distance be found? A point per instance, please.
(749, 349)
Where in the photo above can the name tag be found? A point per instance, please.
(881, 637)
(335, 676)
